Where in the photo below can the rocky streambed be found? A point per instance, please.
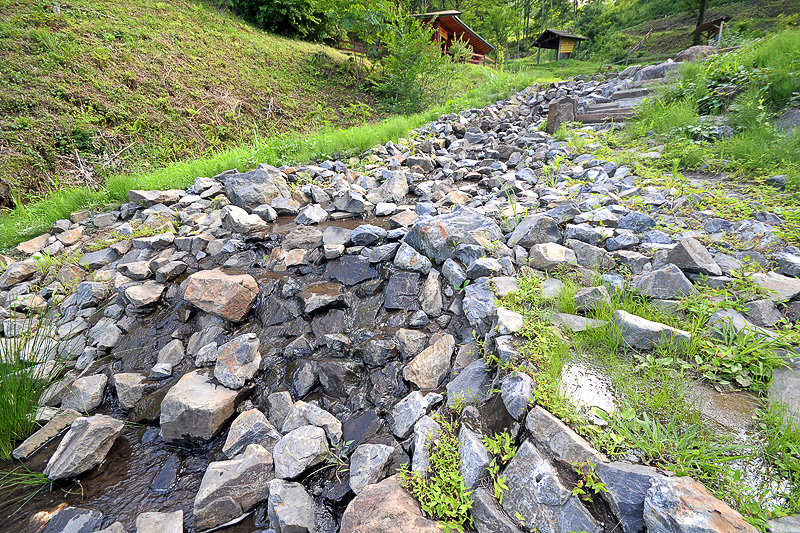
(265, 350)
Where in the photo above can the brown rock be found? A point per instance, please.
(34, 245)
(561, 110)
(428, 368)
(386, 507)
(223, 295)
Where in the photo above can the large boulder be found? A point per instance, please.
(693, 53)
(227, 296)
(248, 190)
(231, 488)
(196, 408)
(386, 508)
(84, 447)
(438, 237)
(684, 505)
(561, 110)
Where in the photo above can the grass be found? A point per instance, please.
(655, 416)
(24, 376)
(31, 219)
(19, 485)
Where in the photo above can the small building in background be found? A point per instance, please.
(566, 44)
(712, 30)
(449, 27)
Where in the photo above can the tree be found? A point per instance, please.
(700, 18)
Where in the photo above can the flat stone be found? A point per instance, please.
(350, 270)
(667, 283)
(402, 291)
(43, 435)
(782, 288)
(145, 294)
(576, 322)
(559, 440)
(643, 334)
(84, 447)
(195, 408)
(551, 255)
(224, 295)
(73, 520)
(322, 296)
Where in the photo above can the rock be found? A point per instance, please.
(402, 291)
(488, 516)
(430, 296)
(43, 435)
(17, 273)
(230, 489)
(86, 393)
(307, 414)
(428, 368)
(172, 353)
(151, 198)
(195, 408)
(517, 391)
(436, 237)
(130, 389)
(144, 295)
(393, 189)
(454, 273)
(471, 385)
(279, 405)
(302, 238)
(786, 524)
(789, 121)
(299, 450)
(409, 259)
(367, 234)
(249, 190)
(426, 430)
(667, 283)
(311, 214)
(474, 457)
(537, 496)
(534, 229)
(479, 305)
(386, 508)
(683, 505)
(508, 321)
(576, 322)
(73, 520)
(290, 508)
(781, 288)
(236, 220)
(626, 487)
(785, 386)
(693, 53)
(637, 222)
(228, 296)
(692, 256)
(591, 256)
(407, 411)
(368, 465)
(250, 427)
(642, 334)
(238, 361)
(160, 522)
(350, 270)
(592, 299)
(561, 110)
(84, 447)
(549, 256)
(763, 312)
(559, 440)
(788, 264)
(484, 267)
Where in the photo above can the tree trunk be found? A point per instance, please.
(700, 18)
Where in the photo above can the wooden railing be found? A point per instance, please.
(479, 59)
(370, 50)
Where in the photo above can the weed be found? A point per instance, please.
(589, 485)
(19, 485)
(503, 449)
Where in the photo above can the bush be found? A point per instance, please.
(301, 18)
(415, 73)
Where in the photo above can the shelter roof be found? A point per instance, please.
(451, 21)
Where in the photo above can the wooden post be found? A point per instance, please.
(719, 37)
(578, 52)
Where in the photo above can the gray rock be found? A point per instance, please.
(237, 220)
(537, 496)
(643, 334)
(624, 241)
(84, 447)
(559, 440)
(431, 365)
(402, 291)
(692, 256)
(454, 273)
(250, 427)
(367, 234)
(368, 465)
(474, 457)
(471, 385)
(508, 321)
(290, 508)
(550, 256)
(299, 450)
(307, 414)
(238, 361)
(311, 214)
(249, 190)
(279, 404)
(230, 489)
(479, 305)
(430, 296)
(534, 229)
(195, 408)
(407, 411)
(409, 259)
(484, 267)
(763, 312)
(426, 430)
(172, 353)
(160, 522)
(785, 386)
(683, 505)
(786, 524)
(781, 288)
(517, 391)
(488, 516)
(592, 299)
(627, 487)
(130, 389)
(437, 237)
(667, 283)
(560, 111)
(591, 256)
(637, 222)
(582, 232)
(73, 520)
(788, 264)
(576, 322)
(86, 393)
(146, 294)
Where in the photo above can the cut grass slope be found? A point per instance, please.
(133, 84)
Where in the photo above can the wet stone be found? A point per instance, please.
(250, 427)
(299, 450)
(84, 447)
(74, 520)
(402, 291)
(368, 465)
(471, 385)
(290, 508)
(350, 270)
(407, 411)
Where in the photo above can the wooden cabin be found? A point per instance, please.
(712, 29)
(449, 27)
(566, 44)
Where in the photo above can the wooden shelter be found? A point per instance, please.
(563, 42)
(712, 29)
(450, 27)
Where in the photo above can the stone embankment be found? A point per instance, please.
(268, 322)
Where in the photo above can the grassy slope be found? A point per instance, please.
(136, 84)
(671, 34)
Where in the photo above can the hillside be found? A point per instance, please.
(671, 34)
(96, 87)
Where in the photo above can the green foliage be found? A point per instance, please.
(589, 485)
(442, 493)
(503, 449)
(18, 485)
(302, 18)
